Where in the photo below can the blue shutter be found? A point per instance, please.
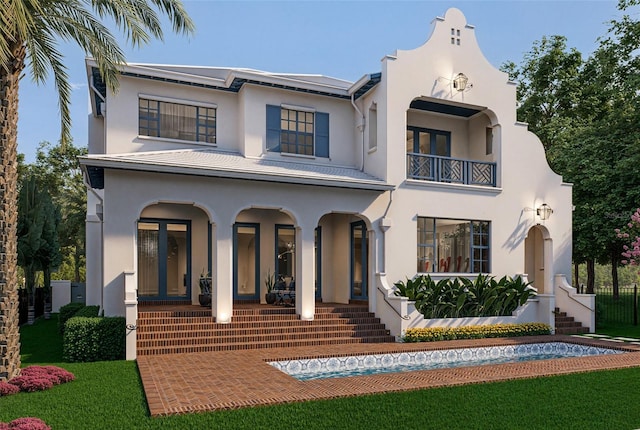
(273, 128)
(322, 134)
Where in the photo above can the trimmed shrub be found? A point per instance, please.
(66, 312)
(94, 339)
(432, 334)
(88, 311)
(7, 389)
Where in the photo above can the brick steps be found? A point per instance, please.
(183, 331)
(568, 325)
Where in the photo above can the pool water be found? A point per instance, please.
(338, 367)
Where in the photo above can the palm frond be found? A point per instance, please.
(43, 55)
(174, 9)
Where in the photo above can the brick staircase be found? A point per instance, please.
(184, 331)
(567, 325)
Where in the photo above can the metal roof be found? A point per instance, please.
(232, 165)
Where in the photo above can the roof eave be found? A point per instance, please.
(87, 163)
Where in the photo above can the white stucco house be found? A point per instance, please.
(344, 187)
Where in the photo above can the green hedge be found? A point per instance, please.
(66, 312)
(431, 334)
(94, 339)
(88, 311)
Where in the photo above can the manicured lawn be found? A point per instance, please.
(622, 330)
(108, 395)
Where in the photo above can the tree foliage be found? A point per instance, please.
(38, 220)
(586, 114)
(57, 170)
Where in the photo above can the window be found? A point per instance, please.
(427, 141)
(448, 245)
(489, 140)
(299, 132)
(373, 126)
(176, 121)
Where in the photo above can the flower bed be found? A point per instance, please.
(432, 334)
(28, 423)
(35, 378)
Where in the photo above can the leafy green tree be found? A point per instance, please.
(38, 246)
(57, 169)
(586, 114)
(30, 30)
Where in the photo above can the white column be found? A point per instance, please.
(131, 312)
(372, 278)
(222, 282)
(547, 252)
(93, 252)
(305, 273)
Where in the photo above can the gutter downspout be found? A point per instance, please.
(360, 128)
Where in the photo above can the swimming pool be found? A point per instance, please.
(338, 367)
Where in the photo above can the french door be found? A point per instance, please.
(164, 259)
(246, 261)
(359, 261)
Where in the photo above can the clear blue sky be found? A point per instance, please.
(340, 39)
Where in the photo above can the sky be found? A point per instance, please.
(341, 39)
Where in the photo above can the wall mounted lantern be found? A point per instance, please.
(460, 82)
(544, 211)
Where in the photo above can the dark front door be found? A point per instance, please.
(164, 259)
(246, 261)
(359, 259)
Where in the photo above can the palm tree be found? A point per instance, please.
(29, 30)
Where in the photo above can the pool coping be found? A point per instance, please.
(209, 381)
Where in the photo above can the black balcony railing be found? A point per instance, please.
(451, 170)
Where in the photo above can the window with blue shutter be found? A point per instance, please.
(297, 132)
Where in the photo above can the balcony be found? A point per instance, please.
(434, 168)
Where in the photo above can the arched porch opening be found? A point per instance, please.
(264, 245)
(538, 259)
(172, 252)
(452, 143)
(343, 258)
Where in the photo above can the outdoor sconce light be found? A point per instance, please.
(544, 211)
(460, 82)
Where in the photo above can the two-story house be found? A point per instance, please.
(341, 187)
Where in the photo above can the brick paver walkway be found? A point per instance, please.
(233, 379)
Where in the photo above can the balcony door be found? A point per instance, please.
(164, 259)
(428, 142)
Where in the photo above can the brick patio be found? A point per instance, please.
(207, 381)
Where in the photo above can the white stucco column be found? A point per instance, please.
(222, 282)
(373, 279)
(131, 313)
(305, 268)
(550, 287)
(93, 252)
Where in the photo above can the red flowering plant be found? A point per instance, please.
(28, 423)
(36, 378)
(7, 389)
(631, 233)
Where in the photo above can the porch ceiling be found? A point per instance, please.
(232, 165)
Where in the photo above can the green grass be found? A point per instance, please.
(108, 395)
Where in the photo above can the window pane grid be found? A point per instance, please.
(458, 246)
(296, 135)
(176, 121)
